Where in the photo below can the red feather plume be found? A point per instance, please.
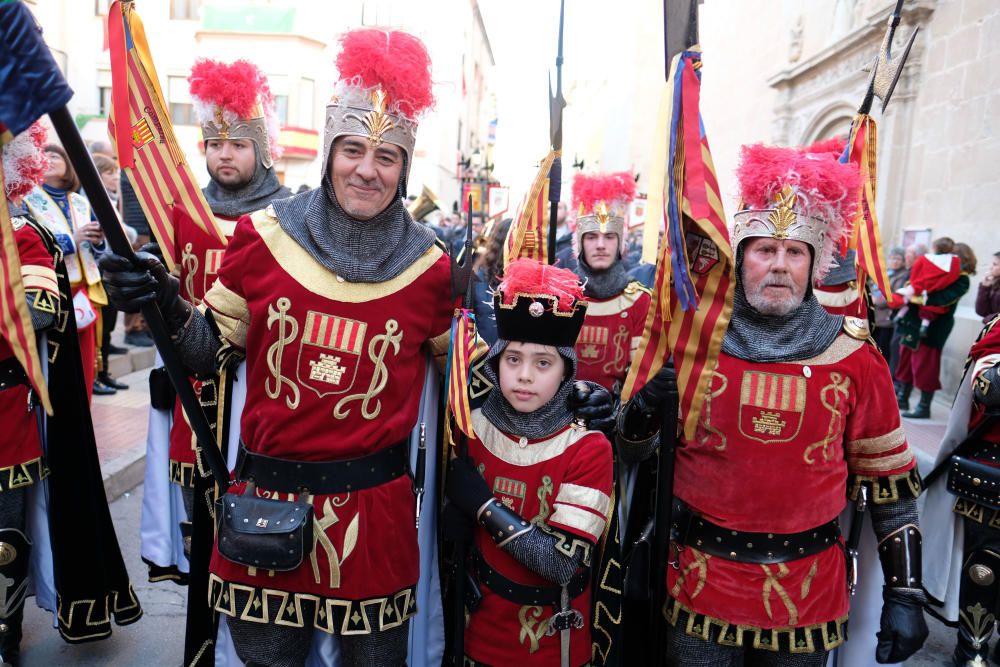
(613, 188)
(24, 161)
(396, 60)
(526, 276)
(236, 87)
(835, 146)
(826, 187)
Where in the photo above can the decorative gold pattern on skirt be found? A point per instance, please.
(533, 626)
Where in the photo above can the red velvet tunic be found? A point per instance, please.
(564, 481)
(201, 256)
(21, 449)
(611, 331)
(334, 371)
(772, 453)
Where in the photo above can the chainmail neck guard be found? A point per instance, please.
(802, 334)
(536, 425)
(369, 251)
(262, 189)
(603, 284)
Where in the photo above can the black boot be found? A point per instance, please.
(14, 550)
(977, 598)
(903, 396)
(923, 409)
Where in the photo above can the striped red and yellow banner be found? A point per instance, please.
(460, 356)
(528, 235)
(143, 136)
(15, 319)
(695, 254)
(867, 238)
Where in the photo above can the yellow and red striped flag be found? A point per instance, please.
(15, 320)
(862, 144)
(460, 357)
(528, 235)
(143, 136)
(692, 296)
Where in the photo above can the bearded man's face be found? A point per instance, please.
(775, 274)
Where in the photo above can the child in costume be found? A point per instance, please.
(931, 273)
(537, 483)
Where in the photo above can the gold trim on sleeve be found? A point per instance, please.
(585, 496)
(878, 443)
(860, 465)
(580, 519)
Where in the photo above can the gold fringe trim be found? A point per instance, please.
(20, 474)
(805, 639)
(888, 489)
(331, 615)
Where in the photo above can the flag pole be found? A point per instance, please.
(556, 105)
(101, 204)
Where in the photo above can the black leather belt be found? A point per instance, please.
(693, 530)
(324, 477)
(12, 374)
(523, 594)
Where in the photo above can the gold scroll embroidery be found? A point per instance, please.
(377, 349)
(830, 397)
(618, 342)
(189, 264)
(277, 350)
(545, 489)
(533, 627)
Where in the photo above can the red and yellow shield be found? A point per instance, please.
(329, 352)
(213, 260)
(591, 344)
(771, 406)
(511, 493)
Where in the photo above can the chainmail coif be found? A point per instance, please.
(359, 251)
(802, 334)
(544, 421)
(603, 284)
(263, 188)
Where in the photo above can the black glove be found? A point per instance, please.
(456, 526)
(903, 628)
(465, 487)
(594, 404)
(131, 285)
(661, 384)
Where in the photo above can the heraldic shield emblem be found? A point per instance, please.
(329, 353)
(213, 260)
(771, 406)
(511, 493)
(591, 344)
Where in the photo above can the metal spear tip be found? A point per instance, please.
(886, 70)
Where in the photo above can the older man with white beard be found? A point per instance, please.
(798, 416)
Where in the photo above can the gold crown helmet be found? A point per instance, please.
(602, 201)
(384, 86)
(233, 101)
(798, 194)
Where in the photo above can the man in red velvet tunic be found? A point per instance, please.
(617, 312)
(333, 296)
(798, 416)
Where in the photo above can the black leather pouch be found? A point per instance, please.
(264, 533)
(162, 394)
